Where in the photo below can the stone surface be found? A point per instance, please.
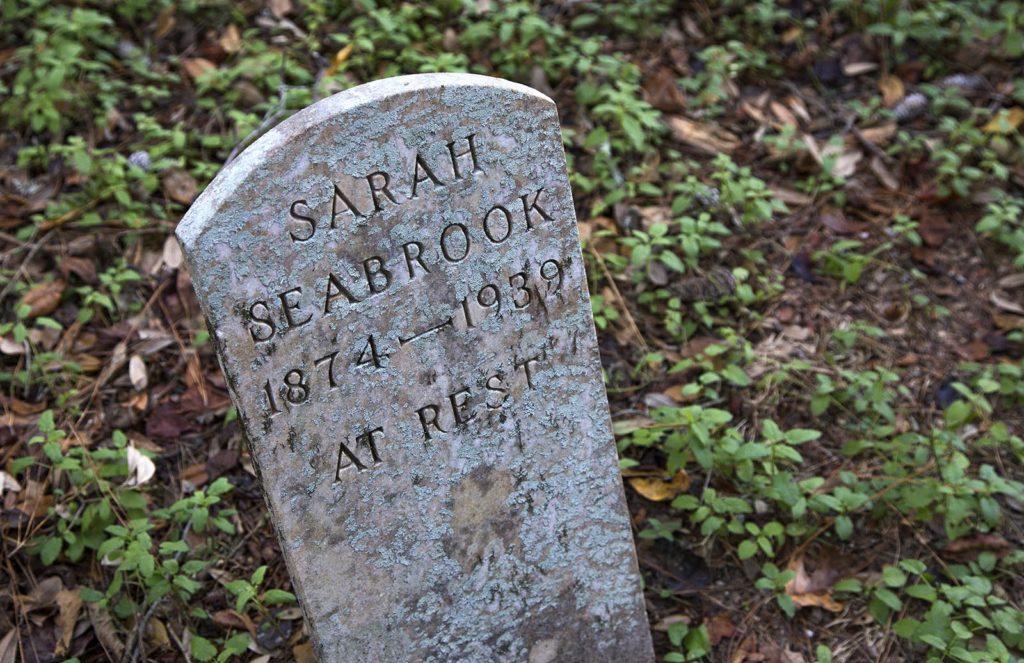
(394, 283)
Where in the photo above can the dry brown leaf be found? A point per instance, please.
(892, 90)
(9, 647)
(303, 653)
(164, 22)
(1005, 303)
(33, 500)
(858, 68)
(934, 229)
(785, 117)
(719, 627)
(813, 590)
(339, 59)
(791, 197)
(883, 174)
(706, 137)
(106, 632)
(967, 548)
(137, 373)
(172, 256)
(627, 426)
(42, 298)
(7, 482)
(231, 40)
(880, 135)
(835, 220)
(279, 8)
(662, 91)
(156, 634)
(180, 187)
(196, 67)
(662, 624)
(1008, 322)
(1005, 122)
(70, 604)
(657, 489)
(1011, 281)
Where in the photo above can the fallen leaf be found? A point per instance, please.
(180, 187)
(968, 548)
(42, 298)
(791, 197)
(339, 59)
(106, 632)
(858, 68)
(880, 135)
(883, 174)
(164, 22)
(7, 482)
(973, 351)
(1005, 121)
(33, 500)
(662, 91)
(231, 40)
(280, 8)
(815, 589)
(156, 634)
(892, 90)
(172, 256)
(9, 647)
(657, 489)
(196, 67)
(1005, 303)
(626, 426)
(785, 117)
(934, 229)
(303, 653)
(708, 138)
(835, 220)
(137, 373)
(720, 627)
(1011, 281)
(70, 604)
(140, 466)
(664, 623)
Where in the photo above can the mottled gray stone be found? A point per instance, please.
(448, 491)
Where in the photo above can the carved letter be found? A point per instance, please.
(528, 365)
(444, 247)
(407, 248)
(508, 224)
(379, 271)
(496, 384)
(339, 195)
(427, 422)
(529, 207)
(335, 289)
(288, 307)
(460, 401)
(381, 189)
(416, 179)
(367, 439)
(262, 320)
(352, 460)
(455, 156)
(302, 217)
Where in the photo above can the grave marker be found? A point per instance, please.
(394, 284)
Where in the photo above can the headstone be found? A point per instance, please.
(394, 284)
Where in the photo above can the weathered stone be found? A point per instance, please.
(394, 284)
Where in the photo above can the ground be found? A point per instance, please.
(803, 230)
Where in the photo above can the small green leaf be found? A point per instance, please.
(201, 648)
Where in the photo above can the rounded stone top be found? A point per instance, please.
(363, 97)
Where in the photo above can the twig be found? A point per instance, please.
(622, 302)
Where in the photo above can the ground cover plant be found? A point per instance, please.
(803, 233)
